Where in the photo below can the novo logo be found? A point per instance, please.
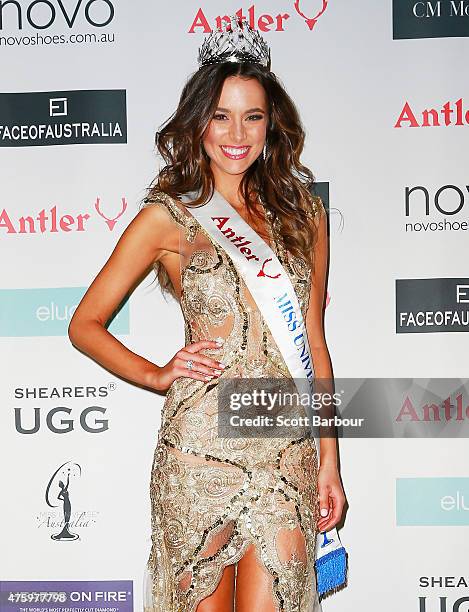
(310, 12)
(429, 305)
(63, 117)
(52, 221)
(43, 14)
(448, 200)
(448, 114)
(432, 501)
(458, 197)
(430, 18)
(48, 311)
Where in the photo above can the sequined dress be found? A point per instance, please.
(212, 497)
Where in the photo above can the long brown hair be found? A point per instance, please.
(280, 179)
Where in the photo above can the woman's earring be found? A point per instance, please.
(264, 151)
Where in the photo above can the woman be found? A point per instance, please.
(234, 520)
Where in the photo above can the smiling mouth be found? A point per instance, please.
(235, 152)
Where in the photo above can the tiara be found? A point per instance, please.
(239, 43)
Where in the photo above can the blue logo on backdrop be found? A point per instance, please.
(432, 501)
(47, 312)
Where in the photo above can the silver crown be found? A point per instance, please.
(239, 43)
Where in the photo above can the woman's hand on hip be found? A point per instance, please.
(203, 367)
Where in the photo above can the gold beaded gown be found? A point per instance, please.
(212, 497)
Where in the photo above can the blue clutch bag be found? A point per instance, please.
(331, 562)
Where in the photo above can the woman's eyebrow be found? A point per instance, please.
(250, 110)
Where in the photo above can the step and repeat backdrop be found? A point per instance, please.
(382, 91)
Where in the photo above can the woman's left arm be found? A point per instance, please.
(331, 494)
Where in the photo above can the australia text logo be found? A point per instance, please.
(34, 119)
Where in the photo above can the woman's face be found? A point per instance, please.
(236, 134)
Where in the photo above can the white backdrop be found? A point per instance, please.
(350, 80)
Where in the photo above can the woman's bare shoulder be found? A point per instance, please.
(163, 201)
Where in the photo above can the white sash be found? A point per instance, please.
(273, 292)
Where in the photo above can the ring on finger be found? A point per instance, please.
(190, 364)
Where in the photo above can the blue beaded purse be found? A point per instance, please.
(331, 562)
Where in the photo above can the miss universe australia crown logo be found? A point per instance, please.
(239, 43)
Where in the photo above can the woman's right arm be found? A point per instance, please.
(145, 239)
